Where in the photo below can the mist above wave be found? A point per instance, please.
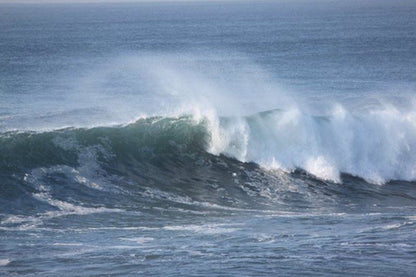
(249, 115)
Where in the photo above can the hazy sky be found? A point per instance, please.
(95, 1)
(99, 1)
(131, 1)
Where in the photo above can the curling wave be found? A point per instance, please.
(190, 163)
(378, 146)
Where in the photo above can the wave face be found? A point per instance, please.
(254, 162)
(378, 146)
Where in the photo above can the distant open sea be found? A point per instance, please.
(208, 139)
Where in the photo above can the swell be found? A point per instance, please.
(379, 146)
(82, 171)
(184, 164)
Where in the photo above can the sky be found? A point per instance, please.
(99, 1)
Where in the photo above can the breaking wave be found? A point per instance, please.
(378, 146)
(274, 159)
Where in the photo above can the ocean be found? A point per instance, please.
(219, 138)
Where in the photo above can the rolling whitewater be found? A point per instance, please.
(208, 139)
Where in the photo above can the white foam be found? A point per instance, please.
(139, 240)
(25, 223)
(377, 145)
(4, 262)
(67, 244)
(123, 228)
(208, 229)
(396, 225)
(67, 208)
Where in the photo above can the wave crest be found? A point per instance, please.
(378, 146)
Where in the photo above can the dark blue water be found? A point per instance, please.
(226, 138)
